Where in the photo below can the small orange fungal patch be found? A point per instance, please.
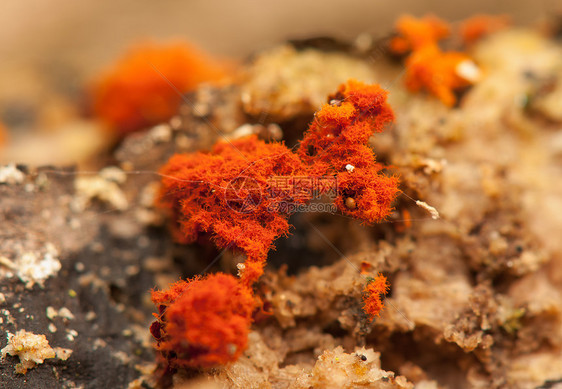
(478, 26)
(405, 223)
(136, 92)
(366, 267)
(372, 295)
(3, 135)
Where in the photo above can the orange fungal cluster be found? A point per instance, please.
(202, 322)
(337, 144)
(372, 295)
(226, 194)
(144, 87)
(229, 195)
(428, 67)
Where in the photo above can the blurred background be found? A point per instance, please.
(50, 49)
(68, 38)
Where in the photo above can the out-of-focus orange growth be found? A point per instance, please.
(478, 26)
(3, 135)
(143, 87)
(405, 223)
(372, 295)
(428, 67)
(415, 33)
(203, 322)
(366, 267)
(439, 73)
(406, 218)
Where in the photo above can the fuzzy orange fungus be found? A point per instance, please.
(136, 91)
(427, 66)
(336, 144)
(372, 300)
(203, 322)
(230, 195)
(478, 26)
(228, 192)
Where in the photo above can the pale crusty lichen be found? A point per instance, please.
(32, 350)
(336, 369)
(104, 186)
(33, 267)
(10, 174)
(332, 369)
